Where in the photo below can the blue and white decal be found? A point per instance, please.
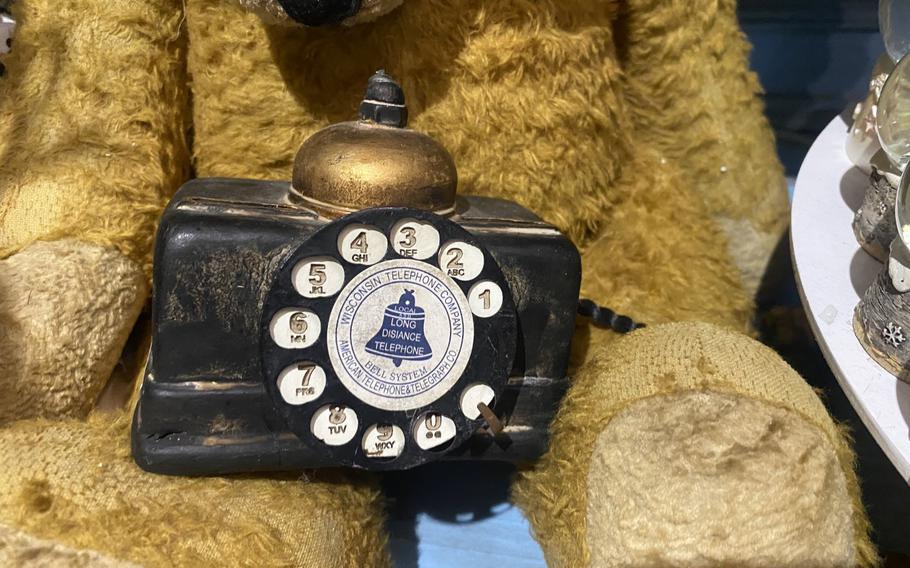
(400, 335)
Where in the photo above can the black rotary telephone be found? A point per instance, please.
(362, 315)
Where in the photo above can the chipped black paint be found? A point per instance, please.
(218, 248)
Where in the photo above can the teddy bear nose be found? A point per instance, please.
(319, 12)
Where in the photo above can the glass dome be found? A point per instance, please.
(892, 119)
(899, 257)
(894, 24)
(902, 208)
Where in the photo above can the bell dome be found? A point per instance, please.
(376, 161)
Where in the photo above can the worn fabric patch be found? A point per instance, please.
(66, 310)
(707, 479)
(20, 549)
(672, 360)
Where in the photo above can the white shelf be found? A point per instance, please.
(833, 272)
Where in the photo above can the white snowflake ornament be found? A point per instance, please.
(893, 334)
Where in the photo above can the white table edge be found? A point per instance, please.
(871, 417)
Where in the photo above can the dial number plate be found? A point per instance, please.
(382, 333)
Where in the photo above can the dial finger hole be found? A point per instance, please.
(301, 383)
(362, 244)
(460, 260)
(485, 298)
(383, 441)
(415, 239)
(295, 328)
(317, 277)
(434, 431)
(472, 396)
(334, 424)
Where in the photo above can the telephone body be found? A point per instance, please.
(362, 315)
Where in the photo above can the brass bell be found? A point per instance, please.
(401, 336)
(374, 162)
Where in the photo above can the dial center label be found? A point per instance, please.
(400, 335)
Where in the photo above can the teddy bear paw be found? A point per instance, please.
(66, 310)
(702, 478)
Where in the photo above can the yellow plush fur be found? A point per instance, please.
(75, 483)
(693, 99)
(633, 126)
(62, 335)
(92, 128)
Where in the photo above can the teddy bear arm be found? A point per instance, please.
(659, 257)
(93, 142)
(695, 101)
(93, 121)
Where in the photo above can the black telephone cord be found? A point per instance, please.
(605, 317)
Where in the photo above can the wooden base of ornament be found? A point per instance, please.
(881, 322)
(874, 224)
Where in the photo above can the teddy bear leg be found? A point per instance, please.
(72, 493)
(691, 445)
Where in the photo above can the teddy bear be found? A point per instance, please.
(634, 126)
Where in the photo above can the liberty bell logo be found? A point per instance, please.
(401, 336)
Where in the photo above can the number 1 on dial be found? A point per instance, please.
(485, 296)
